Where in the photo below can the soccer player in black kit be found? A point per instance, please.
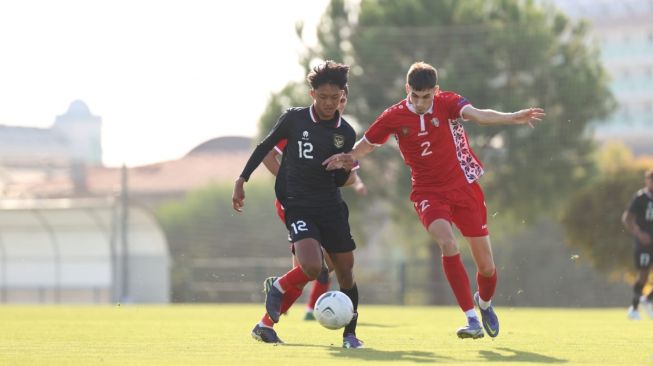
(638, 220)
(316, 215)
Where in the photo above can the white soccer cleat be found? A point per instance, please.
(633, 314)
(648, 306)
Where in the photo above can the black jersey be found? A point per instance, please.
(302, 180)
(642, 207)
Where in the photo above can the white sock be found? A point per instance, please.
(261, 324)
(484, 304)
(471, 313)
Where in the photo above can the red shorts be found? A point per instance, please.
(280, 211)
(464, 206)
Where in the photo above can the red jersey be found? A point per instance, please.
(433, 145)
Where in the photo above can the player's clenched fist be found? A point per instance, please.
(238, 197)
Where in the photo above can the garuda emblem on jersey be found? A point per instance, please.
(435, 122)
(338, 141)
(404, 131)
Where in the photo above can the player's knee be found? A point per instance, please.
(312, 270)
(486, 270)
(448, 246)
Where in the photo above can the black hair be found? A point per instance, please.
(330, 72)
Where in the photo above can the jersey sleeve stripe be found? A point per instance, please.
(461, 111)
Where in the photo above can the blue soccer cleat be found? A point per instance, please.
(350, 341)
(489, 317)
(265, 335)
(472, 330)
(309, 316)
(273, 299)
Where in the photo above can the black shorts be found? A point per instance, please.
(643, 256)
(328, 225)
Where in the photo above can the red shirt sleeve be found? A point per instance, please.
(455, 104)
(280, 146)
(381, 129)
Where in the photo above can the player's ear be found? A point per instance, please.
(312, 93)
(407, 88)
(436, 90)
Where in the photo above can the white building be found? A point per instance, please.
(624, 29)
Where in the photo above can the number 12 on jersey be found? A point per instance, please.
(305, 150)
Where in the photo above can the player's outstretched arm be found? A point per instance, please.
(238, 197)
(492, 117)
(347, 160)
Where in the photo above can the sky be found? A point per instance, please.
(164, 76)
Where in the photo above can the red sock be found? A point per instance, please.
(458, 280)
(317, 291)
(294, 278)
(486, 285)
(289, 298)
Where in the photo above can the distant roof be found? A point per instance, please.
(221, 145)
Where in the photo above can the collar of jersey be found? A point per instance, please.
(411, 107)
(316, 119)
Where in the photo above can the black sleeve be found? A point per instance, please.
(341, 175)
(278, 133)
(632, 207)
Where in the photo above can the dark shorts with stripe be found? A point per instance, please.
(328, 225)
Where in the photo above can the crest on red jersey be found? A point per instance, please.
(435, 122)
(338, 141)
(404, 131)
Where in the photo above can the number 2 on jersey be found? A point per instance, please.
(425, 148)
(305, 150)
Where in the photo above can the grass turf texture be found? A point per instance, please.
(220, 335)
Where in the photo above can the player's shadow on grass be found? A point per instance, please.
(371, 354)
(518, 356)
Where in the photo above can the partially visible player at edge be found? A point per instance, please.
(638, 220)
(316, 215)
(323, 282)
(428, 126)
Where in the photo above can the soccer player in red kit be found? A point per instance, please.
(322, 284)
(428, 126)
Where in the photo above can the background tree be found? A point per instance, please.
(500, 54)
(592, 216)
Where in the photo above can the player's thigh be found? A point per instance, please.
(482, 252)
(308, 254)
(469, 212)
(442, 232)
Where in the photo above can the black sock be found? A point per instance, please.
(637, 290)
(352, 293)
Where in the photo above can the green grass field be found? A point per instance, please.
(220, 335)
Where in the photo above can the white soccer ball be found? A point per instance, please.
(333, 310)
